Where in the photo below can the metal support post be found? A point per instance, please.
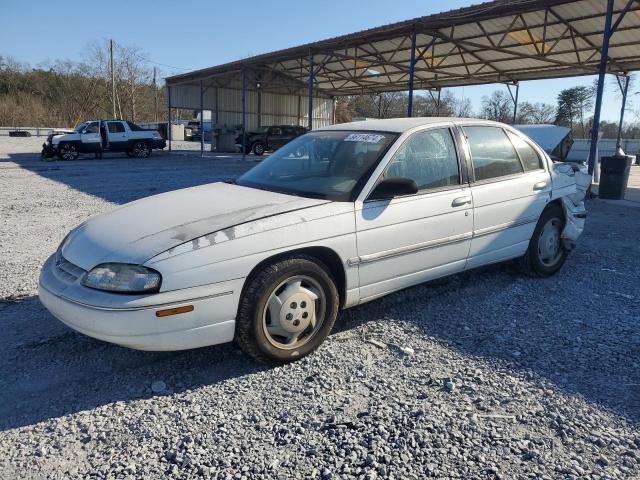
(201, 120)
(515, 103)
(310, 87)
(624, 88)
(244, 115)
(169, 133)
(604, 58)
(514, 99)
(412, 68)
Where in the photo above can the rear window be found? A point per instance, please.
(134, 127)
(492, 153)
(115, 127)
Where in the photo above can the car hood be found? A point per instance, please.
(138, 231)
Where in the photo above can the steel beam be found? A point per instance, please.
(604, 57)
(412, 67)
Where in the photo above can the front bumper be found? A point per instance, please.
(48, 150)
(131, 321)
(158, 143)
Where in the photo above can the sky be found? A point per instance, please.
(180, 36)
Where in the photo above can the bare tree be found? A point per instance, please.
(535, 113)
(131, 74)
(498, 106)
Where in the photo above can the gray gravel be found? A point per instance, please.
(486, 374)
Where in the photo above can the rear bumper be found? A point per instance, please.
(134, 323)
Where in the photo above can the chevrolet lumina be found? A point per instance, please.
(338, 217)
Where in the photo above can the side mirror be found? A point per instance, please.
(394, 187)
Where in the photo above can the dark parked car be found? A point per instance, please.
(269, 138)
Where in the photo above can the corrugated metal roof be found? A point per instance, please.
(500, 41)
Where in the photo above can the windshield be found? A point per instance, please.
(324, 164)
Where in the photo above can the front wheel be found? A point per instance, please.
(286, 310)
(68, 151)
(546, 255)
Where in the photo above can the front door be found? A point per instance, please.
(90, 137)
(118, 138)
(410, 239)
(276, 137)
(510, 189)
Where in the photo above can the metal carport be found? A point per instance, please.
(494, 42)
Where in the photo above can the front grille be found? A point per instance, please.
(67, 270)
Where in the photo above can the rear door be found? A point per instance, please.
(410, 239)
(118, 137)
(510, 188)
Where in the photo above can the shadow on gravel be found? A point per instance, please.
(47, 370)
(120, 179)
(579, 329)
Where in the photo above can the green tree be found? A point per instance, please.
(574, 105)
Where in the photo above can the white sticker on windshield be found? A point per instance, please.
(364, 137)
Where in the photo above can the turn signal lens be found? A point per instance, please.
(174, 311)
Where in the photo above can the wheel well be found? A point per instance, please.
(558, 203)
(327, 256)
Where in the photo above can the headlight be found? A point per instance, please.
(123, 278)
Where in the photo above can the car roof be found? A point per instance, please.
(399, 125)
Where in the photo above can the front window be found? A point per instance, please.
(429, 158)
(324, 164)
(93, 127)
(80, 127)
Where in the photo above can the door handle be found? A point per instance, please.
(539, 185)
(460, 201)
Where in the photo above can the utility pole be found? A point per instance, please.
(155, 100)
(113, 79)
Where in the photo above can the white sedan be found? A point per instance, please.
(338, 217)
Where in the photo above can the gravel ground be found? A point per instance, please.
(486, 374)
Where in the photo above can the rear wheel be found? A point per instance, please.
(141, 150)
(546, 255)
(68, 151)
(287, 310)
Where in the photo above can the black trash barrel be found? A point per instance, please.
(614, 175)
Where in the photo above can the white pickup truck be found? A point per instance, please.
(100, 136)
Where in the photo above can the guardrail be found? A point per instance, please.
(34, 131)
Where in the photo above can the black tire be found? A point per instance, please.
(259, 148)
(68, 151)
(251, 326)
(536, 261)
(141, 149)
